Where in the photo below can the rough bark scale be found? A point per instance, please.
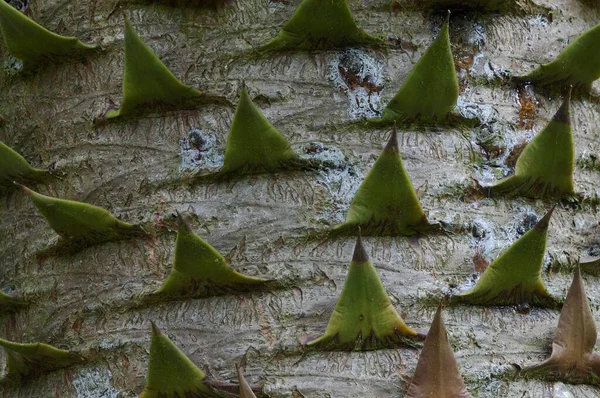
(83, 298)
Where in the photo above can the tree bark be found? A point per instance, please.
(84, 300)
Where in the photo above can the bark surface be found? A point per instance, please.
(89, 301)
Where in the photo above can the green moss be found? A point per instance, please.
(589, 163)
(467, 192)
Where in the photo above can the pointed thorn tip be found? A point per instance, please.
(543, 223)
(244, 92)
(563, 114)
(23, 188)
(240, 375)
(360, 254)
(577, 273)
(183, 225)
(438, 313)
(392, 144)
(155, 331)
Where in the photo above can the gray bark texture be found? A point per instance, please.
(83, 301)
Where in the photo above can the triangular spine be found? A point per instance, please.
(386, 202)
(147, 82)
(31, 42)
(578, 65)
(71, 219)
(364, 317)
(200, 268)
(30, 359)
(514, 278)
(171, 373)
(253, 143)
(430, 92)
(545, 167)
(572, 358)
(320, 24)
(245, 390)
(437, 373)
(13, 167)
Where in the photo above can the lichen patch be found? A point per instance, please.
(359, 75)
(200, 150)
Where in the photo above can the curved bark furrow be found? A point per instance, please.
(432, 247)
(430, 251)
(262, 314)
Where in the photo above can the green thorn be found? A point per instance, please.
(545, 167)
(77, 220)
(430, 92)
(14, 167)
(147, 82)
(572, 357)
(437, 373)
(386, 202)
(171, 374)
(578, 65)
(198, 266)
(364, 317)
(245, 390)
(318, 25)
(25, 360)
(31, 42)
(515, 277)
(9, 303)
(254, 144)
